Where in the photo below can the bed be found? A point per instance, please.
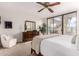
(36, 42)
(59, 46)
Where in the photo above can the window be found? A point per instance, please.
(55, 25)
(70, 23)
(63, 24)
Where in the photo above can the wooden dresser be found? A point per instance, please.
(29, 35)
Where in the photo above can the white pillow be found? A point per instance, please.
(73, 41)
(77, 42)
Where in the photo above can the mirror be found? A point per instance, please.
(30, 25)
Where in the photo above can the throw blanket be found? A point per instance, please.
(36, 42)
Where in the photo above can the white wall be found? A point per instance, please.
(18, 23)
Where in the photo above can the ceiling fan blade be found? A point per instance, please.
(41, 9)
(53, 4)
(50, 10)
(41, 3)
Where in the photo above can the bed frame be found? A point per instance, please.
(34, 52)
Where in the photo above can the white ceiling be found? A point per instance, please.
(31, 8)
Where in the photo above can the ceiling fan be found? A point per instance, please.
(48, 5)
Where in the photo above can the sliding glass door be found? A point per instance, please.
(70, 23)
(63, 24)
(58, 25)
(50, 26)
(55, 25)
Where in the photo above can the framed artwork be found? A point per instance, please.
(8, 24)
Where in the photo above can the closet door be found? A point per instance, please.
(70, 23)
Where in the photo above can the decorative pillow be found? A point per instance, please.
(74, 39)
(77, 42)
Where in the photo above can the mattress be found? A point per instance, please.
(59, 46)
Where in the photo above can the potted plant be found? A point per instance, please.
(42, 28)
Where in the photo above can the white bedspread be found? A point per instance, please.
(37, 41)
(59, 46)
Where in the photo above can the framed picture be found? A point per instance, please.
(8, 24)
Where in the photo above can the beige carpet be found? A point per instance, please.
(21, 49)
